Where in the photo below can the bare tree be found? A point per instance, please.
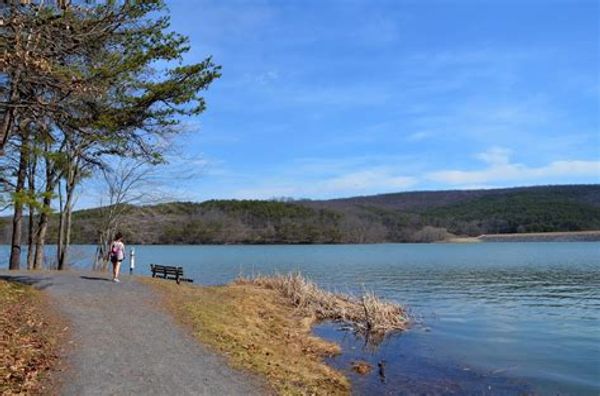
(356, 229)
(431, 234)
(123, 184)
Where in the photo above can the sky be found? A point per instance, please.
(323, 99)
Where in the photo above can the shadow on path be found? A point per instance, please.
(95, 278)
(40, 283)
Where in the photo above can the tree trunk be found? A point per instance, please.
(31, 233)
(17, 224)
(44, 213)
(64, 260)
(40, 238)
(61, 228)
(66, 217)
(104, 240)
(30, 238)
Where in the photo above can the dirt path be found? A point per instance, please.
(124, 345)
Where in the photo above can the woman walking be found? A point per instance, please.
(117, 254)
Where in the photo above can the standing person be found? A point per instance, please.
(117, 254)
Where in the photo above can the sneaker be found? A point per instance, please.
(116, 280)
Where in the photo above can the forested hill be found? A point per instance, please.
(423, 200)
(403, 217)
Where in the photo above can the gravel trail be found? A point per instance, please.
(124, 345)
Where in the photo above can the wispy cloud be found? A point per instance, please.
(369, 180)
(356, 183)
(350, 95)
(330, 177)
(500, 169)
(417, 136)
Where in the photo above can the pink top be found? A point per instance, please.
(120, 249)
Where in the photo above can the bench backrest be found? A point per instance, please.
(166, 269)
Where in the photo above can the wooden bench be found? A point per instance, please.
(169, 272)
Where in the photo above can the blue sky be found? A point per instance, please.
(324, 99)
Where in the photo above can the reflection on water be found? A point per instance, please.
(401, 366)
(513, 313)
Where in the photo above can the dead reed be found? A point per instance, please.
(367, 315)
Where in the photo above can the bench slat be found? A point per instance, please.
(169, 272)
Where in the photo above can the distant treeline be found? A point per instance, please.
(402, 217)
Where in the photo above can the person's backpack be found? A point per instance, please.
(114, 252)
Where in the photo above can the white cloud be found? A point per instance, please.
(501, 169)
(267, 77)
(323, 178)
(373, 179)
(495, 156)
(330, 182)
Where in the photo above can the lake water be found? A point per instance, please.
(494, 318)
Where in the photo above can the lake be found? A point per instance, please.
(492, 318)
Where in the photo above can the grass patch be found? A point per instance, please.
(368, 315)
(259, 330)
(29, 340)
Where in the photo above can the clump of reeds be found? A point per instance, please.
(367, 315)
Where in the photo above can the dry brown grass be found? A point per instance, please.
(362, 367)
(368, 315)
(29, 340)
(258, 329)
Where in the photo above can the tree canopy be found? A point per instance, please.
(80, 82)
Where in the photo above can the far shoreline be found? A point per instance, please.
(559, 236)
(563, 236)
